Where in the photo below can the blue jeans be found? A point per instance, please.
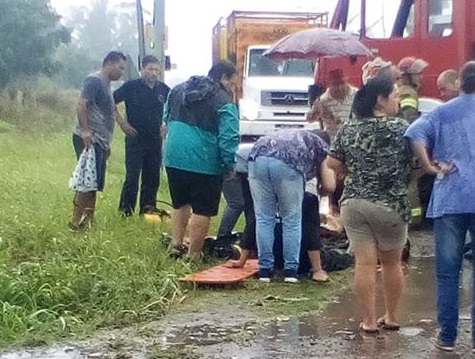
(450, 234)
(232, 192)
(277, 187)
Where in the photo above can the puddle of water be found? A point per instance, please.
(410, 331)
(335, 331)
(332, 334)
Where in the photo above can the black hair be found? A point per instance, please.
(314, 92)
(149, 59)
(112, 57)
(222, 67)
(467, 77)
(323, 135)
(367, 96)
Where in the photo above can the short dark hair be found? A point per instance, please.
(149, 59)
(113, 56)
(467, 77)
(367, 96)
(222, 67)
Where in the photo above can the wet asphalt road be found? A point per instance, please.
(332, 334)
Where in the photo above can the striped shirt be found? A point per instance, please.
(336, 112)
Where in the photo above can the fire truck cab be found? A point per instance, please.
(442, 32)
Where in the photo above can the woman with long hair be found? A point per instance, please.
(375, 211)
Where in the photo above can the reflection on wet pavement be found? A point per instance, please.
(332, 334)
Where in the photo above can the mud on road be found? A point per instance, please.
(231, 329)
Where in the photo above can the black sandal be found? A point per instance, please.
(178, 251)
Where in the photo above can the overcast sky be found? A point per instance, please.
(190, 23)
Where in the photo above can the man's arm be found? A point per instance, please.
(315, 113)
(420, 151)
(120, 95)
(124, 125)
(85, 131)
(327, 179)
(89, 91)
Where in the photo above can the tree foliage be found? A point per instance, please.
(30, 31)
(96, 29)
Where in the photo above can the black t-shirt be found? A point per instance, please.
(143, 105)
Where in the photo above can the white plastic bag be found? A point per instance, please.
(84, 177)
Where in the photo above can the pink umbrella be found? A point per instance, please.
(317, 43)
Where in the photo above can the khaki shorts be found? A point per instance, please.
(366, 222)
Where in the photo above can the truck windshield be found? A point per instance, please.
(262, 66)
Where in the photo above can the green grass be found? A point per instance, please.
(55, 284)
(272, 300)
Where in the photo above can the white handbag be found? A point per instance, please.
(84, 177)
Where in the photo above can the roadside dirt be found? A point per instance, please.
(231, 329)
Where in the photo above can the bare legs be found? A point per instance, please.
(365, 284)
(393, 285)
(197, 225)
(318, 274)
(179, 222)
(83, 211)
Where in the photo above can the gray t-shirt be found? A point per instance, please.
(100, 109)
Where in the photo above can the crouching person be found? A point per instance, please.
(279, 166)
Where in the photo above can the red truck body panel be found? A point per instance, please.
(441, 52)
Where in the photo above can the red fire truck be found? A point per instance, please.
(442, 32)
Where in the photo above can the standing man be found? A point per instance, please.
(95, 125)
(444, 144)
(334, 106)
(332, 109)
(201, 145)
(411, 80)
(144, 99)
(448, 86)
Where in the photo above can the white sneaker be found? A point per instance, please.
(264, 280)
(291, 280)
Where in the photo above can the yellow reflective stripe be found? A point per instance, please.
(409, 102)
(416, 212)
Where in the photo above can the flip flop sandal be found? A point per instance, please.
(368, 331)
(383, 325)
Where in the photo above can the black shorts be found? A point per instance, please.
(201, 191)
(101, 159)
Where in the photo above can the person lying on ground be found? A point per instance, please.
(311, 244)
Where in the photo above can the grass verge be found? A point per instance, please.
(55, 284)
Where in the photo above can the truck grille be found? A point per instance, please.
(284, 98)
